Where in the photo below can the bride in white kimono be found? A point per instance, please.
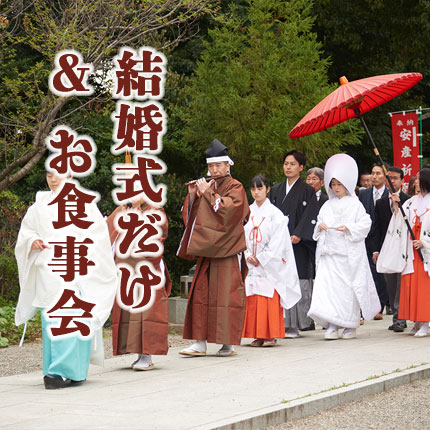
(343, 281)
(272, 283)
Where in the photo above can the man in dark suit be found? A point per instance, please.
(382, 217)
(368, 198)
(298, 201)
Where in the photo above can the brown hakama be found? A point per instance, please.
(143, 332)
(214, 233)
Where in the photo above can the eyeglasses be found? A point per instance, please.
(313, 179)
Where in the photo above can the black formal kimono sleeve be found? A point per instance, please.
(306, 224)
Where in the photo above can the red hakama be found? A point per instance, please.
(414, 302)
(264, 317)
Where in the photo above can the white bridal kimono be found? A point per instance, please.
(267, 238)
(40, 288)
(343, 281)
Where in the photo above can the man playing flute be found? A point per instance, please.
(214, 214)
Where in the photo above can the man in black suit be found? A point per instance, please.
(298, 201)
(382, 217)
(368, 198)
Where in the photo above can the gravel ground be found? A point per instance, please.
(403, 408)
(28, 358)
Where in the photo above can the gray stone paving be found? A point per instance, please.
(210, 392)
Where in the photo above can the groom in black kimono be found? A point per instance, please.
(298, 201)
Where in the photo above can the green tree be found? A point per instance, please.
(32, 32)
(258, 76)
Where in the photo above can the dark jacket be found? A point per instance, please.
(366, 198)
(301, 207)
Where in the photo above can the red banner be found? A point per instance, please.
(406, 144)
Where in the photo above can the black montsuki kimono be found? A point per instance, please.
(301, 207)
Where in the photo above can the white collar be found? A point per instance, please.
(263, 206)
(288, 188)
(380, 191)
(423, 202)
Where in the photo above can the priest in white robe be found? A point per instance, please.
(343, 281)
(65, 359)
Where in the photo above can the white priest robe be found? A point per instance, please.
(397, 254)
(343, 281)
(268, 238)
(39, 286)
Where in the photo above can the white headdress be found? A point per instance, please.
(343, 168)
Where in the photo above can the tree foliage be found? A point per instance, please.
(377, 37)
(258, 76)
(12, 211)
(32, 32)
(256, 68)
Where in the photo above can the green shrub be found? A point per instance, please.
(10, 334)
(12, 210)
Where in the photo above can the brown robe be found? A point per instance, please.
(144, 332)
(214, 233)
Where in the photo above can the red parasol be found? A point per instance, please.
(342, 104)
(351, 100)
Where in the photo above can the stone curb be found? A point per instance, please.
(304, 407)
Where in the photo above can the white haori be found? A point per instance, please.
(343, 282)
(267, 235)
(39, 286)
(397, 254)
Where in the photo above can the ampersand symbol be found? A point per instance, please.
(67, 77)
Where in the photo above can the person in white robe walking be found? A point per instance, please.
(65, 359)
(399, 254)
(343, 281)
(272, 282)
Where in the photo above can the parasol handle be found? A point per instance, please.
(375, 150)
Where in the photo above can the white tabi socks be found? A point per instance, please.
(135, 361)
(332, 332)
(423, 330)
(226, 351)
(196, 349)
(291, 333)
(144, 363)
(349, 333)
(415, 328)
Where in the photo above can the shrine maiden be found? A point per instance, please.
(272, 283)
(65, 359)
(399, 255)
(343, 281)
